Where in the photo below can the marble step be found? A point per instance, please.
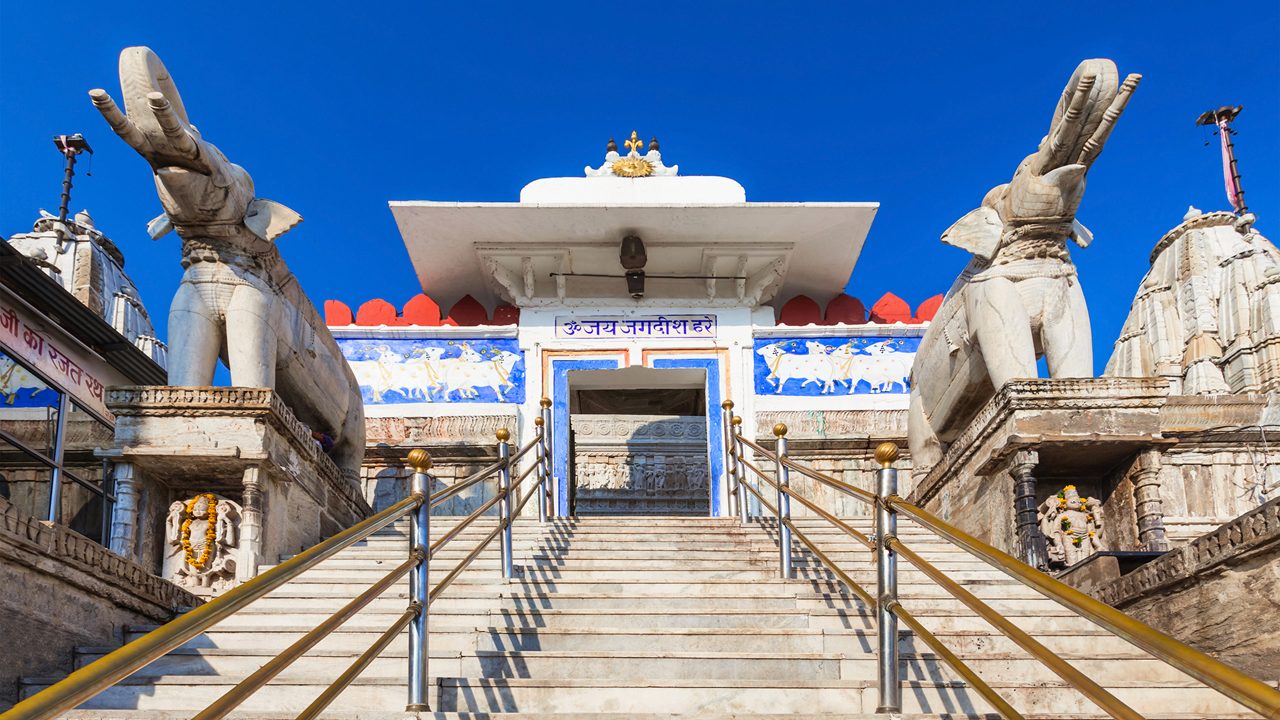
(463, 637)
(630, 695)
(649, 664)
(400, 715)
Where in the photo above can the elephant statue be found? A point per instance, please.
(237, 299)
(1019, 298)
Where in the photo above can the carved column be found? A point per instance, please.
(1147, 502)
(124, 514)
(251, 524)
(1031, 545)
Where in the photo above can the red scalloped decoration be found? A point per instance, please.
(337, 313)
(891, 309)
(467, 312)
(506, 314)
(846, 309)
(377, 312)
(928, 309)
(421, 310)
(800, 310)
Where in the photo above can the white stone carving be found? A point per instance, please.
(191, 560)
(236, 292)
(1020, 292)
(1207, 314)
(1072, 526)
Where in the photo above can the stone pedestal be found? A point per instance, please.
(1034, 438)
(239, 443)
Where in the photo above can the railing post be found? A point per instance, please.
(504, 505)
(540, 487)
(784, 501)
(730, 462)
(744, 502)
(550, 488)
(890, 680)
(419, 542)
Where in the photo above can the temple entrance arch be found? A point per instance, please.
(638, 441)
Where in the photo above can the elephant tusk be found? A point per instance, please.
(172, 127)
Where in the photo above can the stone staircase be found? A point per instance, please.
(647, 617)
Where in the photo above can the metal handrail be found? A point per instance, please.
(120, 664)
(349, 675)
(1237, 685)
(480, 475)
(951, 659)
(1063, 669)
(1243, 688)
(854, 490)
(232, 699)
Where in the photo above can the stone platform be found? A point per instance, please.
(241, 443)
(1036, 436)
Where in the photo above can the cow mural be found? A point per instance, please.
(392, 372)
(833, 366)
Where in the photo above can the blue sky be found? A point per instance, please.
(338, 108)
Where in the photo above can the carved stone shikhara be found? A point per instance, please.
(202, 536)
(237, 297)
(1072, 526)
(1020, 292)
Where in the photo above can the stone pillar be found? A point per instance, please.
(124, 514)
(1031, 545)
(1147, 503)
(251, 515)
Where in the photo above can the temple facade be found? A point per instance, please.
(638, 305)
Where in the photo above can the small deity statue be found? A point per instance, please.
(1072, 526)
(202, 537)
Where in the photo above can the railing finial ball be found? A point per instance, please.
(537, 421)
(419, 460)
(727, 405)
(545, 402)
(886, 453)
(737, 420)
(780, 430)
(503, 435)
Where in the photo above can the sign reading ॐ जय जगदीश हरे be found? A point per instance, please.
(617, 327)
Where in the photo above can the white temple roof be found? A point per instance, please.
(690, 225)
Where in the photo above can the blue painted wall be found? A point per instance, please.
(398, 371)
(851, 365)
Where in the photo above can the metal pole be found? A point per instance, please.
(744, 505)
(55, 478)
(551, 488)
(419, 542)
(730, 462)
(784, 501)
(504, 505)
(540, 457)
(890, 681)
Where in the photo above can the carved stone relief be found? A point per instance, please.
(1072, 526)
(202, 542)
(640, 464)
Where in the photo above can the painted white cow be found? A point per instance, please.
(377, 374)
(884, 366)
(470, 370)
(814, 367)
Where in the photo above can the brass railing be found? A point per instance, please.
(1238, 686)
(101, 674)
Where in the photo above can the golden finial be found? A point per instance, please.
(545, 402)
(537, 422)
(780, 429)
(419, 460)
(737, 420)
(886, 453)
(503, 435)
(635, 143)
(727, 405)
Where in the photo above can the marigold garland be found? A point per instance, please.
(210, 532)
